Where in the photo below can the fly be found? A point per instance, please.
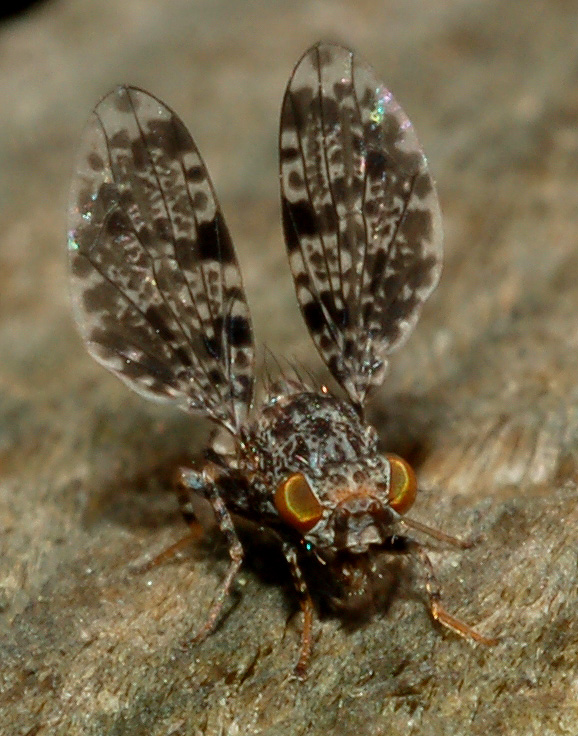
(159, 300)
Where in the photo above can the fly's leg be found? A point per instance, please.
(206, 483)
(306, 606)
(437, 534)
(437, 610)
(174, 549)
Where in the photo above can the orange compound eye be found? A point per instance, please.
(297, 504)
(402, 484)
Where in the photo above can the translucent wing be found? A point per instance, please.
(360, 213)
(156, 286)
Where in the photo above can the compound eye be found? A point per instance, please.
(402, 484)
(297, 504)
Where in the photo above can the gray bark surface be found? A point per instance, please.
(483, 397)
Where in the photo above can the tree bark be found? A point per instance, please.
(483, 398)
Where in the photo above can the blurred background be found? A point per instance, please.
(482, 398)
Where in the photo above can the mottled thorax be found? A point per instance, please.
(303, 430)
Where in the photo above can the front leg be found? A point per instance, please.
(206, 484)
(434, 593)
(306, 606)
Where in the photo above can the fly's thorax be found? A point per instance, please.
(304, 430)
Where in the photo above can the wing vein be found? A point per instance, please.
(359, 275)
(170, 219)
(192, 353)
(136, 235)
(387, 303)
(312, 287)
(132, 303)
(330, 189)
(363, 228)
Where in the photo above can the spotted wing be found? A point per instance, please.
(156, 286)
(360, 213)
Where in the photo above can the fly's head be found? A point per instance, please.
(350, 507)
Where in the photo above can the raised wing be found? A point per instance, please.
(156, 286)
(360, 213)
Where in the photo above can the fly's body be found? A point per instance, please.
(159, 300)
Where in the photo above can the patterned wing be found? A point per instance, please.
(360, 213)
(156, 286)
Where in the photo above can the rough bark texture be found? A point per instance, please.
(483, 398)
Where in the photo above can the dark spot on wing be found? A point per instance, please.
(215, 376)
(291, 236)
(140, 155)
(423, 185)
(182, 355)
(200, 201)
(117, 224)
(120, 139)
(239, 331)
(96, 298)
(108, 194)
(302, 216)
(330, 111)
(295, 180)
(301, 280)
(416, 225)
(121, 99)
(158, 323)
(213, 347)
(328, 220)
(214, 242)
(324, 55)
(313, 316)
(341, 90)
(196, 174)
(376, 163)
(170, 136)
(80, 266)
(163, 228)
(288, 154)
(234, 294)
(302, 102)
(95, 162)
